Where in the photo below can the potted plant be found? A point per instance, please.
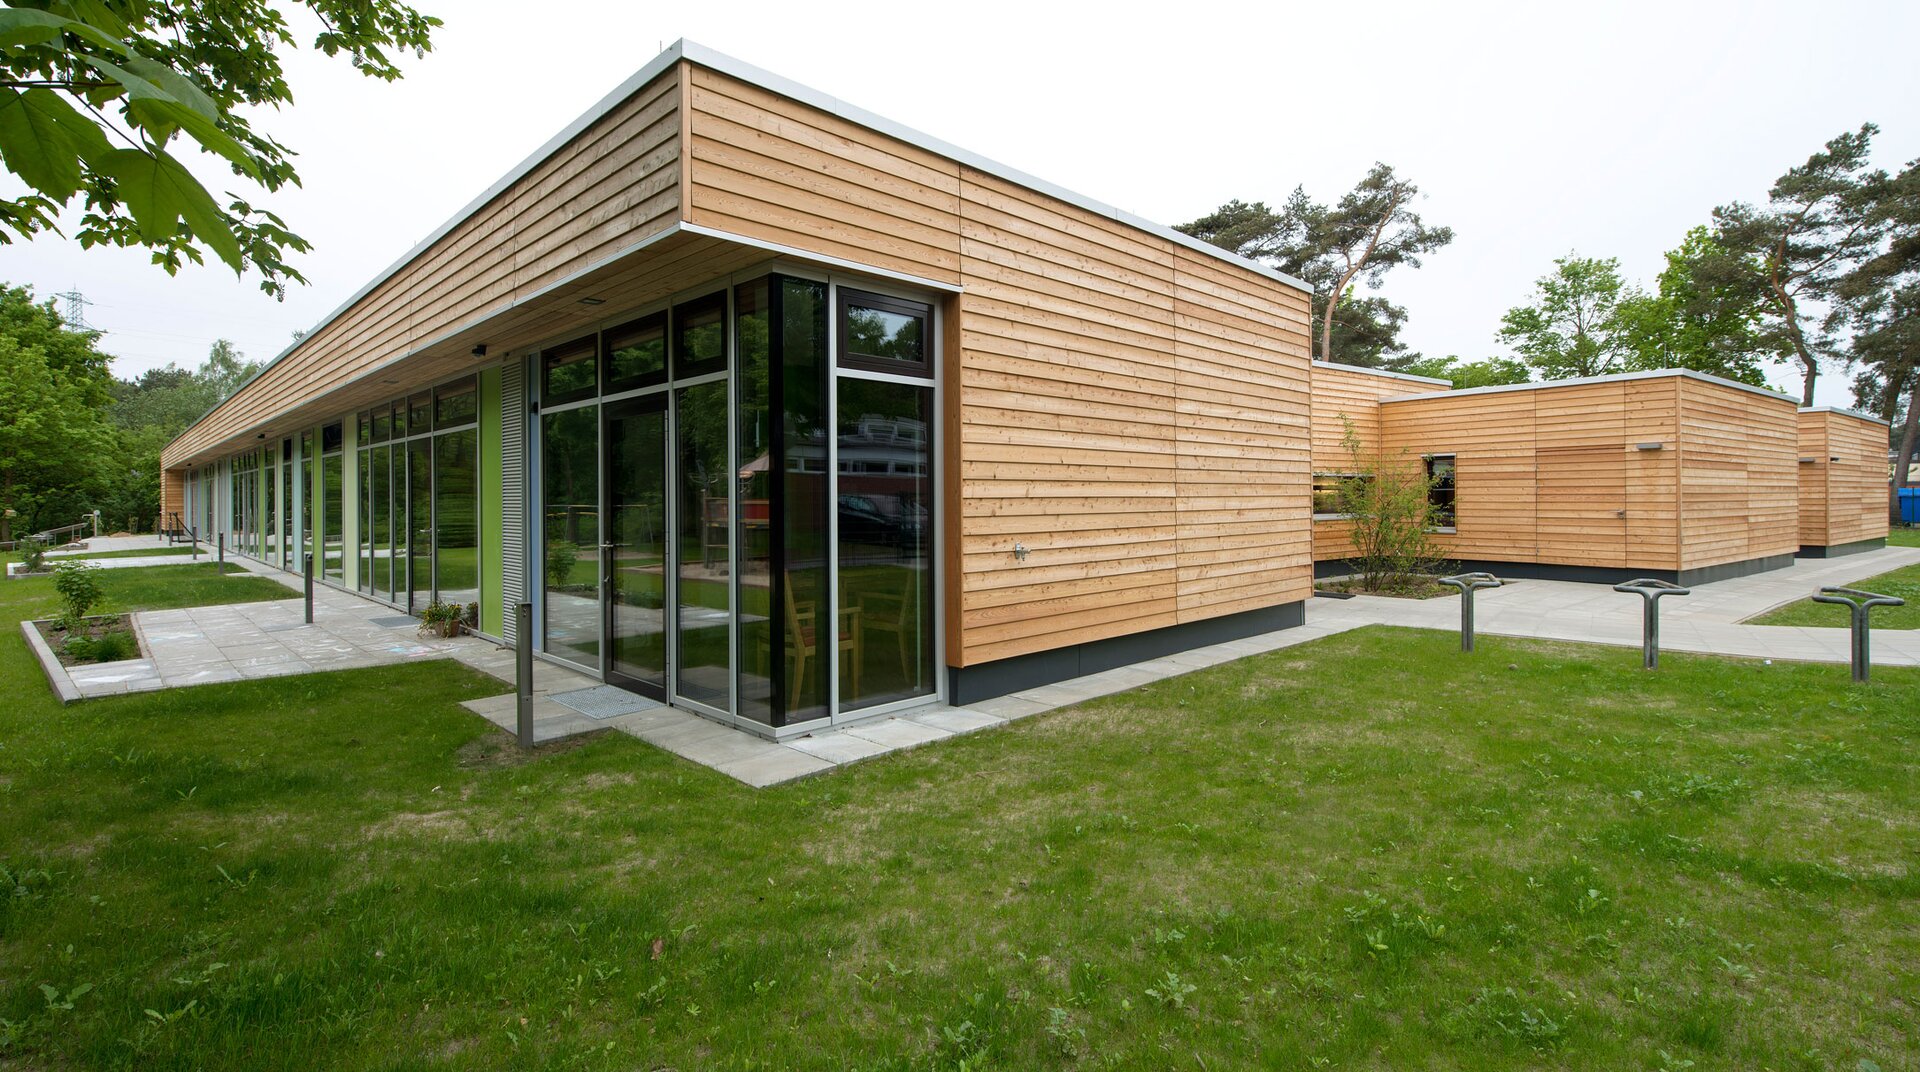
(447, 619)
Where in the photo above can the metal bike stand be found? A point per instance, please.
(1469, 583)
(1650, 591)
(1859, 603)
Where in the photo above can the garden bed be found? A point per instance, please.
(1406, 588)
(102, 638)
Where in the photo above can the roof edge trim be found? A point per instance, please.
(1617, 377)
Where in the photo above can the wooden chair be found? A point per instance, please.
(803, 641)
(896, 613)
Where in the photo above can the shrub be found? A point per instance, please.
(106, 648)
(1385, 498)
(33, 555)
(79, 591)
(561, 557)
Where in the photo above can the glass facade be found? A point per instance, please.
(733, 500)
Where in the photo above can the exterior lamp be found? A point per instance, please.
(1649, 446)
(480, 351)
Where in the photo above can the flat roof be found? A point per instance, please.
(693, 52)
(1846, 412)
(1617, 377)
(1408, 376)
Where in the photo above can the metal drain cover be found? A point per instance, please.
(605, 701)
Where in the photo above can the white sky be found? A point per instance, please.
(1534, 129)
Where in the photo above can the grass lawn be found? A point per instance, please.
(1903, 538)
(1366, 851)
(1903, 582)
(206, 551)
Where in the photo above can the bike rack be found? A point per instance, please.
(1859, 603)
(1650, 591)
(1468, 584)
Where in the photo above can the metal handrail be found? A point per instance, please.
(1468, 584)
(1859, 603)
(1650, 590)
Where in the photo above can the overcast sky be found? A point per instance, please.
(1533, 129)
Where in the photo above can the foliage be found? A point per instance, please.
(53, 385)
(1817, 226)
(447, 619)
(1704, 315)
(99, 94)
(1385, 500)
(146, 414)
(1881, 299)
(1369, 231)
(1492, 372)
(1573, 326)
(112, 646)
(33, 555)
(79, 587)
(561, 557)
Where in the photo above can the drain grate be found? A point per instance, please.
(605, 701)
(397, 621)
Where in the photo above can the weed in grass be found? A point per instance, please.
(1502, 1014)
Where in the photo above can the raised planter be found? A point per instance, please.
(61, 677)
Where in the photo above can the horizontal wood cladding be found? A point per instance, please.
(1843, 479)
(1134, 413)
(1555, 474)
(605, 191)
(1343, 396)
(1739, 478)
(768, 167)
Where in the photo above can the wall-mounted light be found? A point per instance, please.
(1020, 552)
(1808, 461)
(479, 351)
(1649, 446)
(593, 301)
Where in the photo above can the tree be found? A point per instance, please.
(96, 96)
(1816, 226)
(1370, 230)
(1493, 372)
(147, 413)
(53, 440)
(1880, 297)
(1573, 328)
(1704, 315)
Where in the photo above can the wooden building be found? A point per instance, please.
(776, 410)
(1843, 482)
(1669, 474)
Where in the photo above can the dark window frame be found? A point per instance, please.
(677, 364)
(1443, 503)
(846, 357)
(636, 325)
(566, 353)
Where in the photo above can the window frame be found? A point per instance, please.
(1452, 518)
(679, 368)
(845, 357)
(569, 352)
(1313, 485)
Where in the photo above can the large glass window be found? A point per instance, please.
(307, 492)
(271, 550)
(417, 496)
(704, 611)
(885, 547)
(332, 518)
(570, 533)
(700, 336)
(456, 528)
(380, 473)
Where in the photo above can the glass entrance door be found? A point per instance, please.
(635, 442)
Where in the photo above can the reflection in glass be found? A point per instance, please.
(332, 562)
(704, 609)
(271, 552)
(287, 507)
(886, 561)
(755, 448)
(804, 364)
(456, 530)
(883, 332)
(418, 498)
(570, 533)
(568, 372)
(700, 336)
(637, 353)
(637, 527)
(379, 562)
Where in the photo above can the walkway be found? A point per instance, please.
(243, 641)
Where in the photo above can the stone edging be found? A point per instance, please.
(63, 687)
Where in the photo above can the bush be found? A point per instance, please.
(79, 591)
(1386, 500)
(561, 557)
(33, 554)
(108, 648)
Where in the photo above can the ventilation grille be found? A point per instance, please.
(513, 493)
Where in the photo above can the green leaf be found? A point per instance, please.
(26, 26)
(137, 87)
(159, 193)
(37, 145)
(182, 88)
(161, 116)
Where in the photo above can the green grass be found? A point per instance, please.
(1903, 538)
(1904, 583)
(1366, 851)
(144, 588)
